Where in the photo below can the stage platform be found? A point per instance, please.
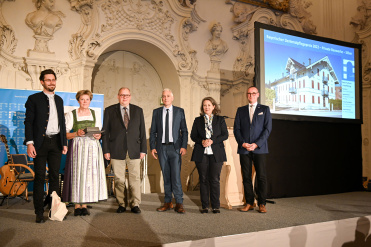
(326, 220)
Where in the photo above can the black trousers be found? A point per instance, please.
(50, 152)
(209, 174)
(259, 160)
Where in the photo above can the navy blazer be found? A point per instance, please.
(257, 132)
(220, 134)
(117, 140)
(37, 117)
(180, 131)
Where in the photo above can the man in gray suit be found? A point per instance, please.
(124, 143)
(168, 139)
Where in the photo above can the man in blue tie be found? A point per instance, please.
(252, 126)
(168, 139)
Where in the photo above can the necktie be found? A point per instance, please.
(167, 127)
(251, 112)
(126, 118)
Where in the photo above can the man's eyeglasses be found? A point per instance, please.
(50, 80)
(124, 95)
(252, 94)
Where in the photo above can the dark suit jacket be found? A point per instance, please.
(180, 131)
(220, 134)
(117, 140)
(256, 132)
(37, 116)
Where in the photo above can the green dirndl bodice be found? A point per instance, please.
(85, 166)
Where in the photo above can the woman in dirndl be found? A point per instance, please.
(84, 177)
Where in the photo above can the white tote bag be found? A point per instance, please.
(58, 209)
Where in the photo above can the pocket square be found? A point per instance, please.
(260, 113)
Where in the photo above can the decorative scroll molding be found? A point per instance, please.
(187, 3)
(242, 12)
(142, 15)
(152, 21)
(8, 42)
(362, 29)
(233, 86)
(85, 9)
(184, 51)
(298, 11)
(281, 5)
(92, 46)
(246, 14)
(44, 22)
(34, 66)
(362, 26)
(243, 67)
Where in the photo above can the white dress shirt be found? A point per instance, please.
(53, 125)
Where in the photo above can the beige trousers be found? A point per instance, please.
(119, 169)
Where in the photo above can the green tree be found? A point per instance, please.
(270, 94)
(337, 104)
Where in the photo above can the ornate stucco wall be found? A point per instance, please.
(176, 39)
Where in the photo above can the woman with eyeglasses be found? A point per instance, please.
(84, 177)
(208, 132)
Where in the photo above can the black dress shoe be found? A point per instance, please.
(216, 211)
(40, 219)
(136, 210)
(85, 212)
(204, 211)
(121, 209)
(77, 212)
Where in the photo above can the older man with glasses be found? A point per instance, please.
(124, 143)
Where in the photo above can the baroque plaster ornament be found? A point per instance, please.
(8, 42)
(187, 3)
(359, 21)
(76, 45)
(44, 22)
(84, 8)
(187, 54)
(361, 24)
(216, 47)
(143, 15)
(298, 10)
(243, 12)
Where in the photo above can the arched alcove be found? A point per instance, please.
(155, 56)
(146, 70)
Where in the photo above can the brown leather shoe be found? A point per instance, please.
(247, 208)
(167, 206)
(262, 209)
(179, 208)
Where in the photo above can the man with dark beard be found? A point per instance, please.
(45, 137)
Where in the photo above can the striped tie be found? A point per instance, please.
(251, 112)
(126, 118)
